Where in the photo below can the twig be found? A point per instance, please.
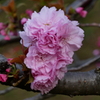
(82, 64)
(41, 97)
(6, 90)
(79, 83)
(90, 24)
(76, 58)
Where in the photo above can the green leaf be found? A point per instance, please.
(31, 79)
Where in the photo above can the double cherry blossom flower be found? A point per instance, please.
(51, 39)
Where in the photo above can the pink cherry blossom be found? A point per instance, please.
(47, 31)
(71, 38)
(3, 77)
(41, 63)
(51, 39)
(43, 83)
(8, 70)
(82, 12)
(53, 66)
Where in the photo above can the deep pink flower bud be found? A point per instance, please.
(29, 12)
(23, 20)
(9, 59)
(3, 77)
(81, 12)
(8, 70)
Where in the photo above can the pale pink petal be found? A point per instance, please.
(27, 41)
(43, 83)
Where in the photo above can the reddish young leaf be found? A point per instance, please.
(19, 59)
(10, 8)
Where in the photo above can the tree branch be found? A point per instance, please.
(73, 83)
(79, 83)
(41, 97)
(6, 90)
(77, 66)
(90, 24)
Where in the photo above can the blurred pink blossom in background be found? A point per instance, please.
(2, 26)
(96, 52)
(7, 37)
(29, 12)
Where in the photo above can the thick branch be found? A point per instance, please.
(73, 83)
(6, 90)
(79, 83)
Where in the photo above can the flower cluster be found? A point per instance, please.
(51, 39)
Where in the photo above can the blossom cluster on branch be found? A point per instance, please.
(51, 39)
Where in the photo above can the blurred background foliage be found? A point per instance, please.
(89, 44)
